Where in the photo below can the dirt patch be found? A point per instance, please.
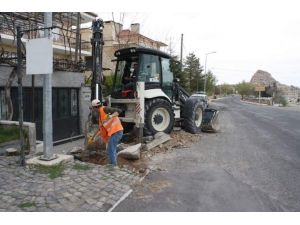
(146, 190)
(180, 140)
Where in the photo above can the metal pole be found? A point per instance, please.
(97, 43)
(47, 102)
(20, 94)
(32, 97)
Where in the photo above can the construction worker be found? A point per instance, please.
(110, 128)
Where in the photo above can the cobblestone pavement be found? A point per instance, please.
(81, 187)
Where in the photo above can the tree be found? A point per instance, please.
(245, 88)
(176, 69)
(225, 89)
(193, 73)
(211, 81)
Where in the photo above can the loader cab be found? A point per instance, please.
(141, 64)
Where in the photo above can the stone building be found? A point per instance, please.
(115, 37)
(70, 97)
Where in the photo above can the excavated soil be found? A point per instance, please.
(180, 140)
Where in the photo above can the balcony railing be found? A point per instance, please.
(61, 37)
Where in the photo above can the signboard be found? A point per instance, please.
(39, 56)
(260, 88)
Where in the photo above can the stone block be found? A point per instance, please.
(159, 138)
(132, 152)
(56, 161)
(11, 151)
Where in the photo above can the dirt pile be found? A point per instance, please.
(180, 140)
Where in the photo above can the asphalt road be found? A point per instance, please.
(252, 164)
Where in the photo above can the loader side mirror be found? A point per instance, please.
(176, 80)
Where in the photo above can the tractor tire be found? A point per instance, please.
(159, 116)
(192, 115)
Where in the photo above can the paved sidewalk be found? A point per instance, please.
(81, 187)
(67, 147)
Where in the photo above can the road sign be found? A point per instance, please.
(260, 88)
(39, 54)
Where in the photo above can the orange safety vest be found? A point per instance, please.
(108, 126)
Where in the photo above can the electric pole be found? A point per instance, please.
(47, 101)
(20, 94)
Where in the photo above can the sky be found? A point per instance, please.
(246, 35)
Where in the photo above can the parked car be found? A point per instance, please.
(203, 97)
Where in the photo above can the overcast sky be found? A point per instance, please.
(246, 36)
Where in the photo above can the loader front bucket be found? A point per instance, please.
(210, 121)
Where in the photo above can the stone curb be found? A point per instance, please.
(254, 103)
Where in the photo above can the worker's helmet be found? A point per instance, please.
(96, 102)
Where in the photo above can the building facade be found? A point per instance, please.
(70, 100)
(115, 37)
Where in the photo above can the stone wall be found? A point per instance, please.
(59, 79)
(84, 104)
(29, 129)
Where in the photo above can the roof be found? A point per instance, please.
(126, 33)
(150, 51)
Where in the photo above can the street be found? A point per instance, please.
(252, 164)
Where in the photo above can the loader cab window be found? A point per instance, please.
(166, 71)
(149, 69)
(126, 73)
(167, 77)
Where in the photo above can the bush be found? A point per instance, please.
(108, 83)
(9, 133)
(282, 101)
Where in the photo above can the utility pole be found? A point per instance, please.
(47, 101)
(181, 50)
(20, 94)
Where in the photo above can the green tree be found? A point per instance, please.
(245, 88)
(193, 73)
(107, 85)
(176, 69)
(211, 81)
(225, 89)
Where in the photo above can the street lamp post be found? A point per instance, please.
(205, 78)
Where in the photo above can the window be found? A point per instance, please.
(2, 105)
(55, 34)
(149, 69)
(166, 71)
(74, 102)
(63, 103)
(121, 72)
(126, 72)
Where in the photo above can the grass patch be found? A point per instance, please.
(52, 171)
(26, 205)
(81, 167)
(9, 133)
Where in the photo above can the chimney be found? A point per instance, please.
(135, 27)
